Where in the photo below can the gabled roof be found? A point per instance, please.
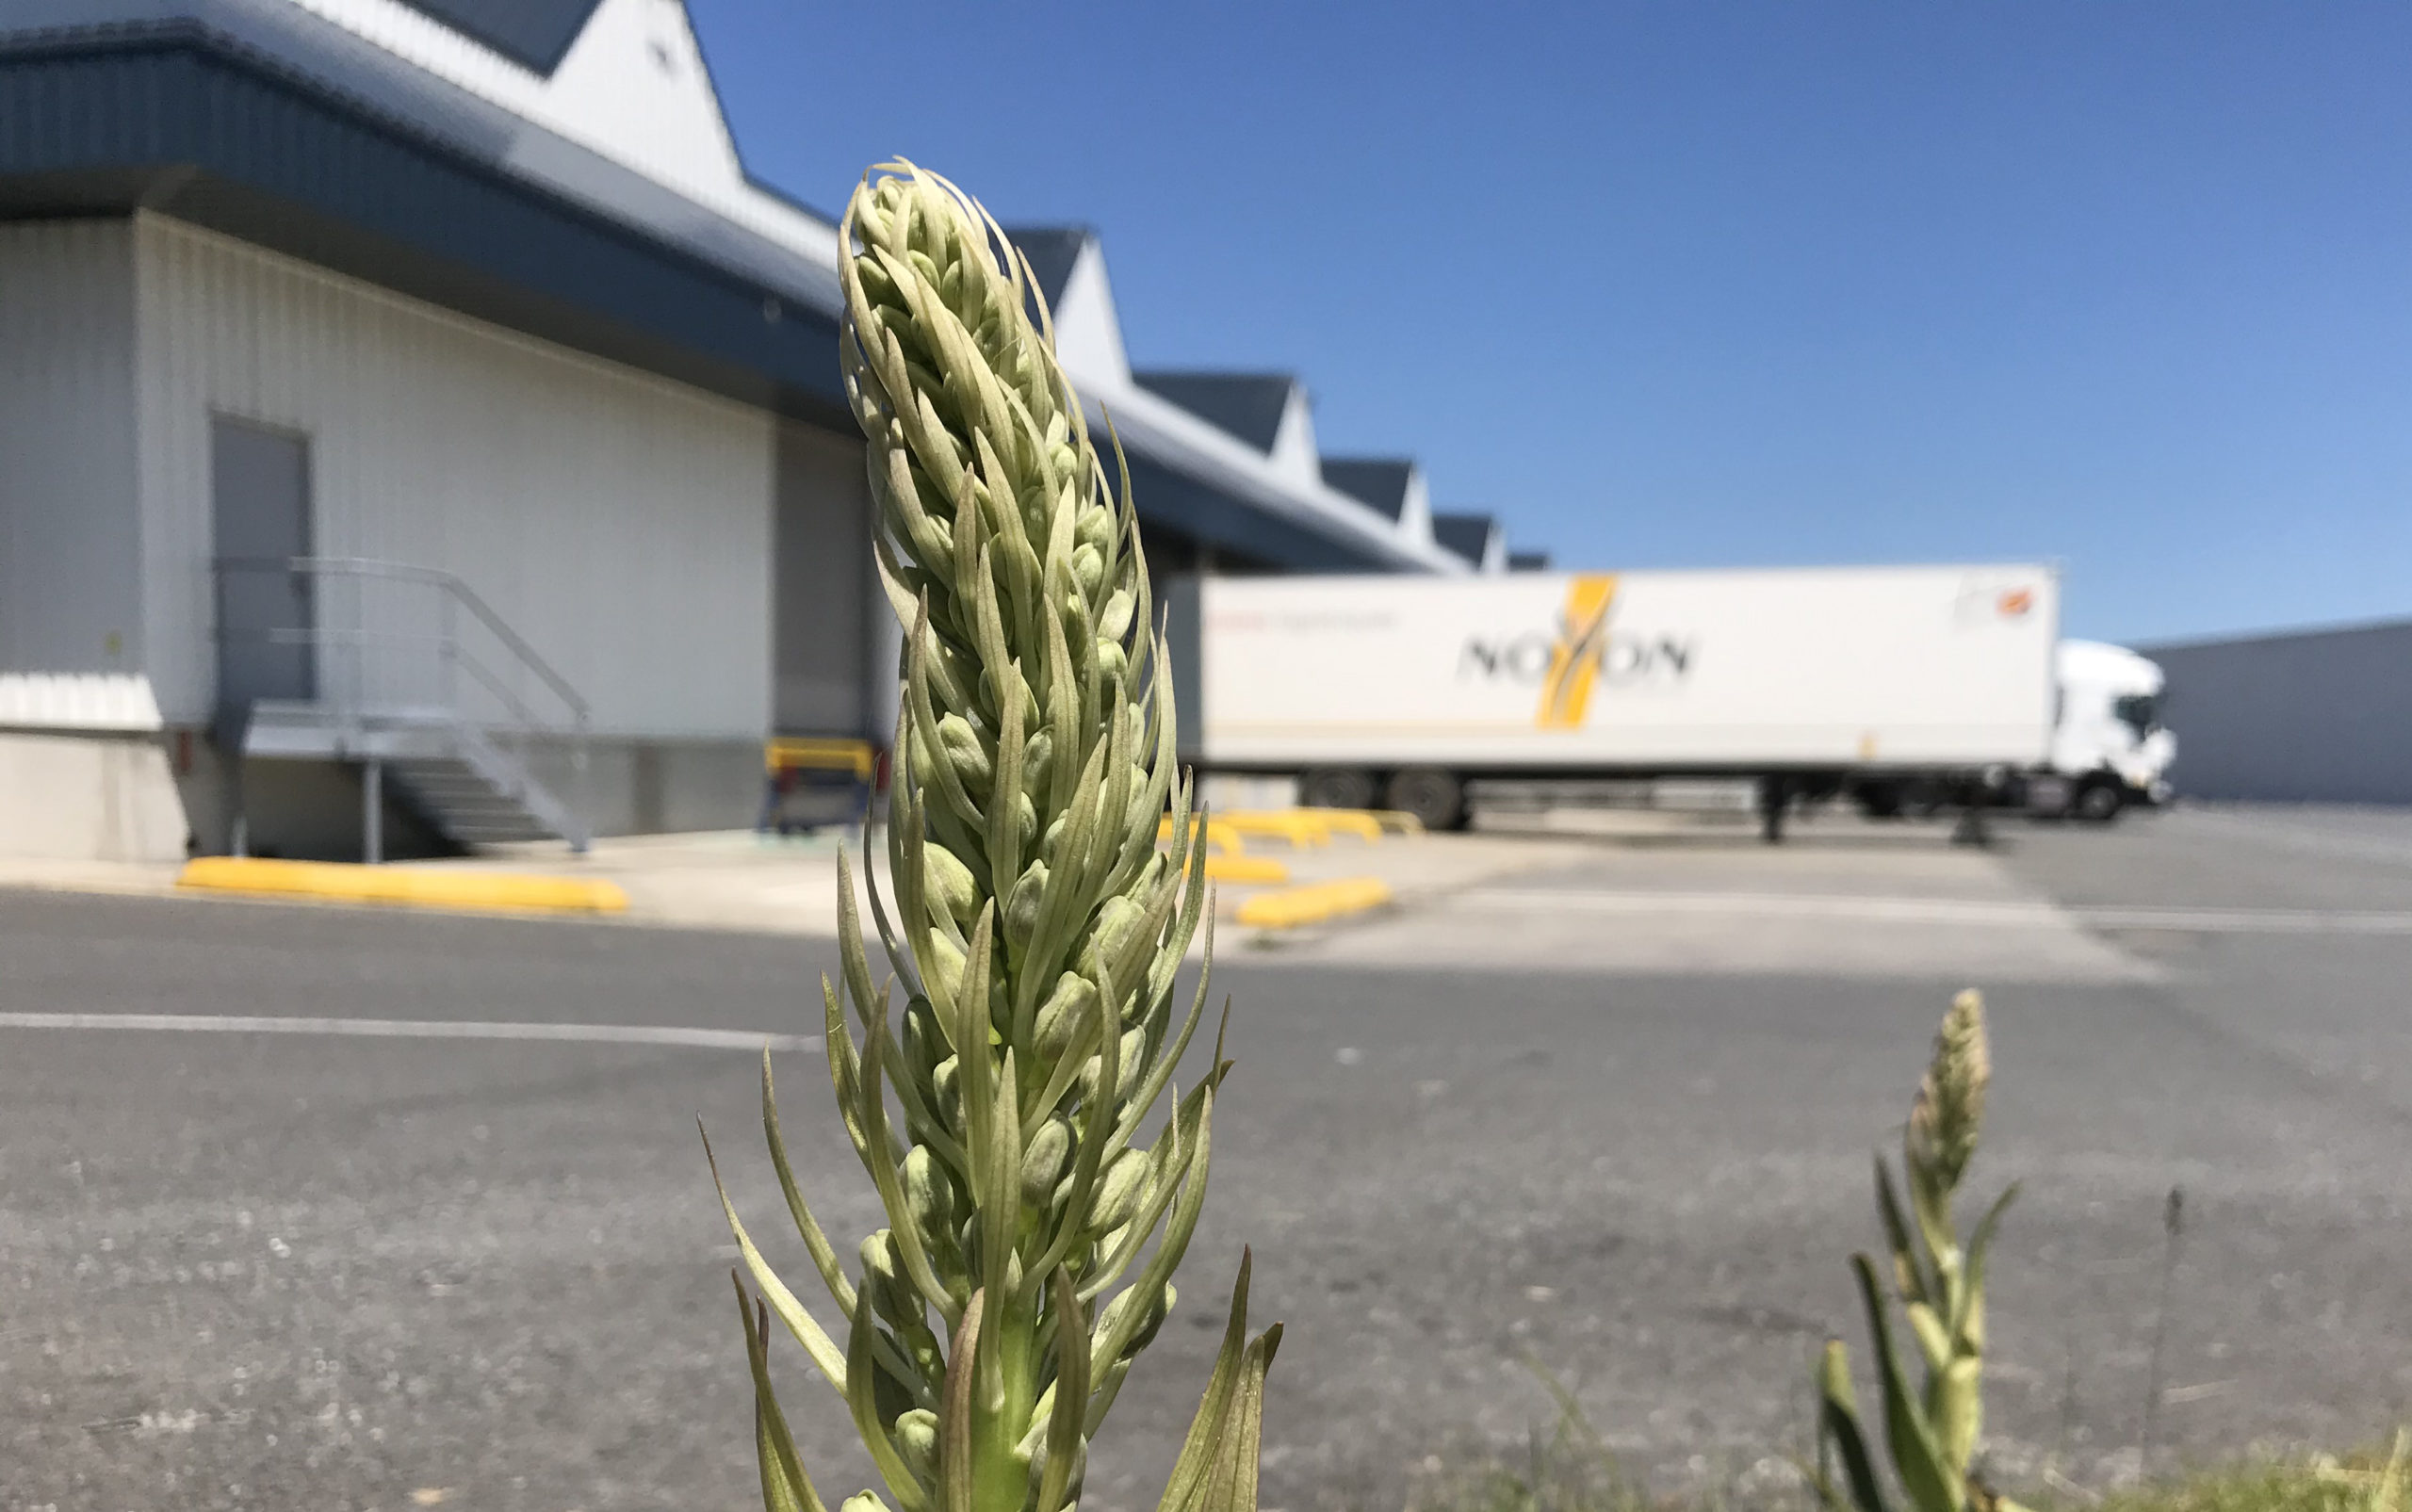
(366, 137)
(267, 122)
(1053, 251)
(1377, 482)
(1248, 405)
(535, 34)
(1470, 536)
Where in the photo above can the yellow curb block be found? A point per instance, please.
(408, 886)
(1316, 826)
(1295, 825)
(1348, 820)
(1219, 836)
(1315, 902)
(1245, 869)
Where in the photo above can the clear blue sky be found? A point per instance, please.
(1686, 285)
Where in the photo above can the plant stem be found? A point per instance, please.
(2173, 1225)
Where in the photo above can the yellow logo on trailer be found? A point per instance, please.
(1575, 660)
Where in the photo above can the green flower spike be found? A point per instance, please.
(1940, 1289)
(1035, 936)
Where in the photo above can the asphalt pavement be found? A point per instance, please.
(450, 1241)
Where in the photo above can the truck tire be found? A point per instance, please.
(1336, 787)
(1879, 800)
(2098, 800)
(1434, 796)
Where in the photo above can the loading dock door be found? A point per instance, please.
(260, 519)
(824, 595)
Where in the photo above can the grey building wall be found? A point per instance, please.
(70, 558)
(620, 522)
(2320, 717)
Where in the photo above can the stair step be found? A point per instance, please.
(478, 796)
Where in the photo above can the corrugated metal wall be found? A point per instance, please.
(2324, 717)
(69, 583)
(622, 524)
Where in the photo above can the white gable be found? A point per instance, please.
(1415, 510)
(1294, 443)
(1089, 335)
(631, 88)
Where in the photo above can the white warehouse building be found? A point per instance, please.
(414, 418)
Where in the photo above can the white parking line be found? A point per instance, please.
(1964, 911)
(2275, 828)
(2246, 920)
(704, 1039)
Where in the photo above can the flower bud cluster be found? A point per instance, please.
(1000, 1107)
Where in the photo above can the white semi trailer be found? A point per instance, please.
(1396, 691)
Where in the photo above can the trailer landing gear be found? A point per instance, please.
(1775, 794)
(1972, 829)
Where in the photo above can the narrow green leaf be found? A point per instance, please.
(1955, 1411)
(1005, 805)
(954, 1413)
(818, 1345)
(824, 1258)
(1167, 1062)
(1072, 1391)
(863, 1403)
(1063, 904)
(845, 1068)
(1096, 1135)
(900, 961)
(1169, 1162)
(850, 938)
(1231, 1485)
(786, 1487)
(974, 1071)
(1908, 1273)
(1198, 1451)
(1838, 1424)
(1159, 1269)
(925, 734)
(887, 1178)
(1969, 1326)
(1916, 1457)
(1934, 1339)
(1000, 1209)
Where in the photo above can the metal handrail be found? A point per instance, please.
(453, 587)
(446, 654)
(486, 679)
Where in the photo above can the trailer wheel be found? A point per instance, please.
(1435, 797)
(1337, 787)
(2098, 801)
(1879, 800)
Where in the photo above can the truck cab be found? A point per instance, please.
(2109, 746)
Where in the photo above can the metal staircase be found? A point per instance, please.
(405, 672)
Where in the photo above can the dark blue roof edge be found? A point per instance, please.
(1250, 407)
(105, 37)
(481, 23)
(1467, 533)
(446, 227)
(1379, 483)
(1171, 499)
